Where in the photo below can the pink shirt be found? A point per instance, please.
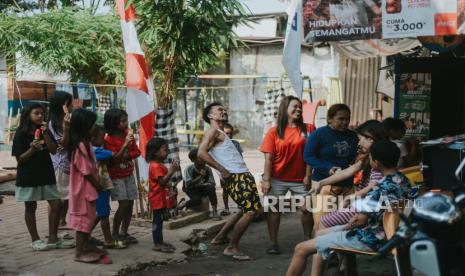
(82, 163)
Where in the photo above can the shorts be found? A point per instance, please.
(38, 193)
(338, 238)
(62, 183)
(83, 223)
(103, 204)
(241, 187)
(280, 188)
(124, 189)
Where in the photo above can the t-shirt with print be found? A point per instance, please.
(288, 152)
(122, 169)
(157, 194)
(37, 170)
(392, 188)
(327, 148)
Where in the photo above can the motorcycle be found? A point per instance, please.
(431, 241)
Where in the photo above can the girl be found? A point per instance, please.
(159, 179)
(283, 147)
(121, 142)
(368, 133)
(84, 185)
(59, 128)
(35, 179)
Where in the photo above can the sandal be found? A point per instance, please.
(39, 245)
(128, 238)
(115, 245)
(104, 259)
(273, 249)
(88, 258)
(61, 244)
(238, 256)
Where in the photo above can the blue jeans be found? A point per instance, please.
(157, 226)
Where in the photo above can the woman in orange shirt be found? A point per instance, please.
(285, 168)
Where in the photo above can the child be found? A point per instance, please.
(199, 182)
(159, 179)
(365, 231)
(103, 201)
(228, 130)
(84, 186)
(35, 180)
(120, 141)
(396, 129)
(59, 128)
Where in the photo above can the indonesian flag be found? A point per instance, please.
(140, 91)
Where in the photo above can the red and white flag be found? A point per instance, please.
(140, 91)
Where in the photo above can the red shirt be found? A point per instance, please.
(157, 194)
(289, 164)
(125, 168)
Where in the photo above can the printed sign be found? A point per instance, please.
(329, 20)
(332, 20)
(414, 104)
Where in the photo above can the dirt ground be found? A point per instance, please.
(255, 242)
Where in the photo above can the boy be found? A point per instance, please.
(396, 129)
(199, 182)
(228, 130)
(364, 231)
(103, 201)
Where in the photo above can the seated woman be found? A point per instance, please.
(364, 231)
(198, 183)
(369, 132)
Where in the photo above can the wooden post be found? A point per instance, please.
(139, 188)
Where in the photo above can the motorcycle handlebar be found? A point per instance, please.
(393, 242)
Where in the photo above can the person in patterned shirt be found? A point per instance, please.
(364, 231)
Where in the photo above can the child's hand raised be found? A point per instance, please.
(174, 165)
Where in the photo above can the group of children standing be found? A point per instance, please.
(77, 166)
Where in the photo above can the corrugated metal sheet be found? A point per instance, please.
(359, 78)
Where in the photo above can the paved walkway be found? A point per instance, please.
(17, 256)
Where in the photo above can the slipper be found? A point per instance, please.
(39, 245)
(115, 245)
(104, 259)
(240, 256)
(224, 240)
(128, 238)
(273, 249)
(61, 244)
(88, 258)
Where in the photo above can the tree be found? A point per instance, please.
(65, 41)
(185, 37)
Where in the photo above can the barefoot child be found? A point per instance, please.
(159, 179)
(121, 142)
(35, 178)
(103, 201)
(84, 185)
